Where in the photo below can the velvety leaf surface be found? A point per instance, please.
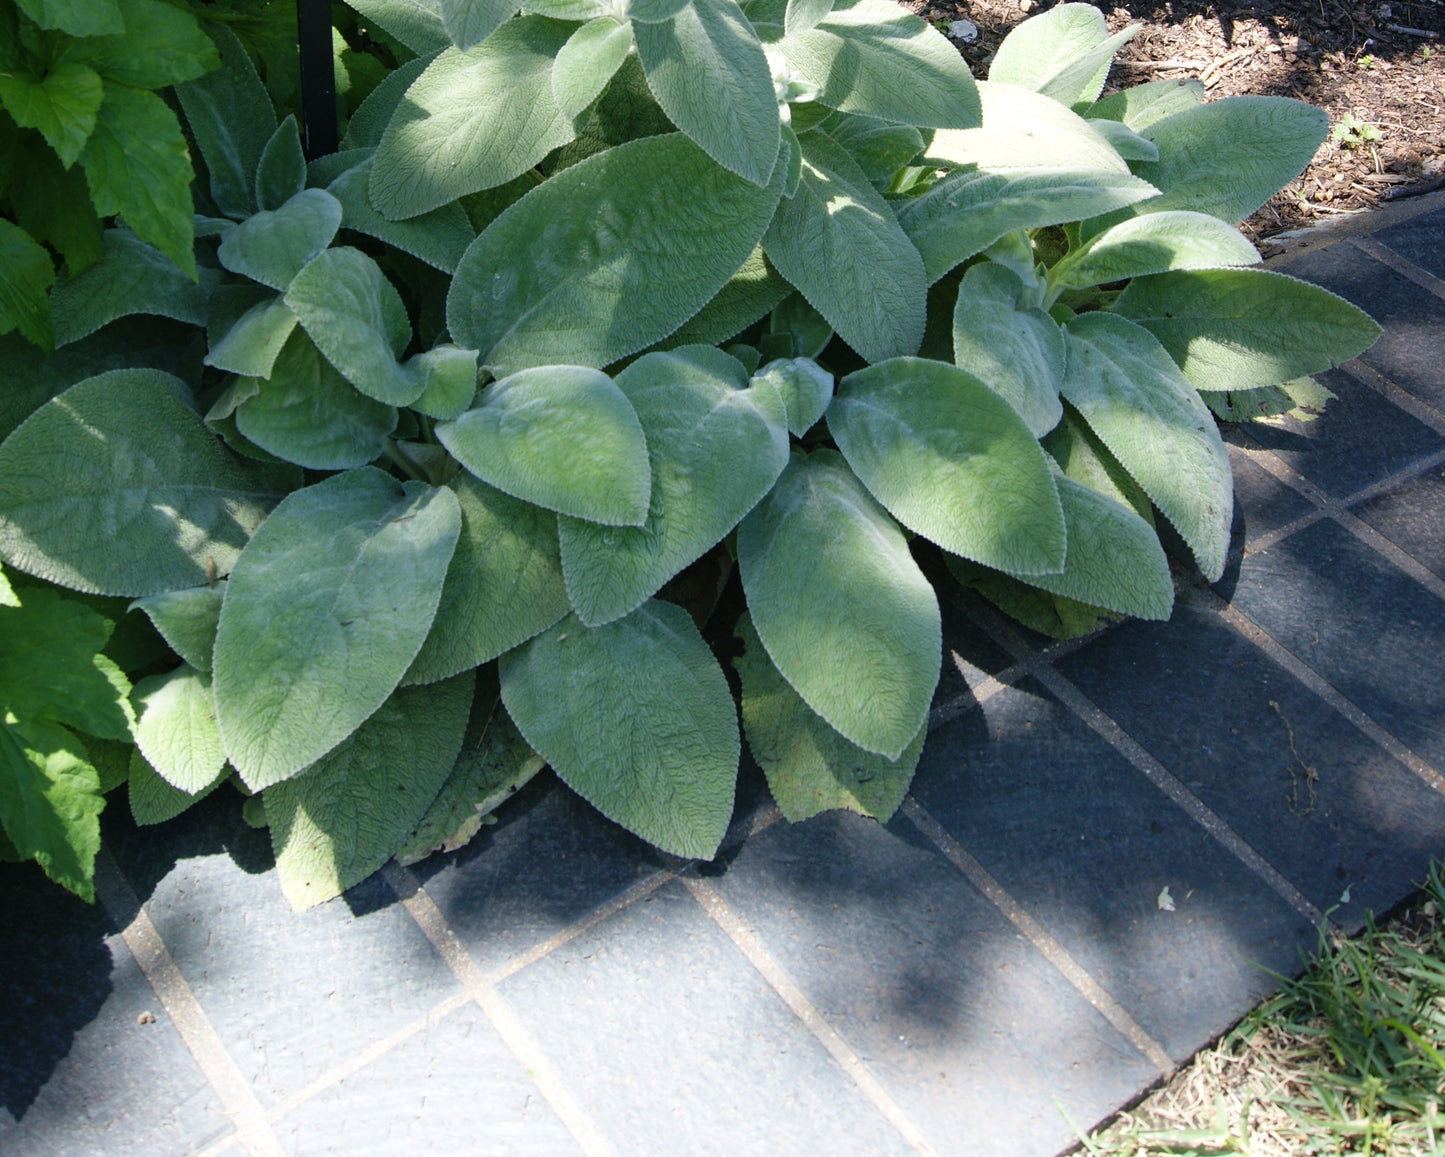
(561, 437)
(1141, 105)
(416, 23)
(152, 799)
(324, 613)
(1145, 411)
(369, 119)
(469, 22)
(589, 59)
(273, 245)
(187, 620)
(715, 449)
(1153, 243)
(838, 242)
(879, 147)
(115, 487)
(448, 377)
(345, 817)
(254, 342)
(951, 460)
(176, 728)
(281, 171)
(504, 583)
(805, 387)
(636, 717)
(1023, 129)
(749, 294)
(843, 610)
(1063, 53)
(809, 766)
(606, 257)
(1234, 329)
(438, 237)
(1124, 140)
(1082, 457)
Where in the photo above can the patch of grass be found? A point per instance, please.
(1348, 1060)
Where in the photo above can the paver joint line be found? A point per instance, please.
(1056, 954)
(1401, 265)
(1419, 409)
(141, 937)
(760, 958)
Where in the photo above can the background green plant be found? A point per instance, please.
(595, 305)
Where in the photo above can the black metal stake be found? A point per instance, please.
(318, 81)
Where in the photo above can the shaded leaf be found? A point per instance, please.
(187, 620)
(153, 800)
(1153, 243)
(588, 61)
(273, 245)
(62, 105)
(438, 237)
(281, 170)
(26, 272)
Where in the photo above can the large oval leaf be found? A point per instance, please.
(272, 246)
(1145, 411)
(323, 615)
(1063, 53)
(473, 120)
(842, 608)
(837, 240)
(561, 437)
(503, 585)
(439, 237)
(176, 728)
(115, 487)
(1238, 329)
(951, 460)
(343, 819)
(607, 257)
(707, 69)
(1140, 106)
(1023, 129)
(715, 450)
(186, 619)
(1153, 243)
(588, 61)
(636, 717)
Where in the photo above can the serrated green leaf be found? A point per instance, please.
(839, 243)
(187, 620)
(715, 450)
(1077, 451)
(162, 45)
(26, 272)
(654, 11)
(1237, 329)
(842, 608)
(1023, 129)
(281, 171)
(588, 60)
(75, 17)
(176, 728)
(416, 23)
(561, 437)
(1303, 399)
(1017, 352)
(707, 70)
(1038, 610)
(307, 413)
(606, 257)
(1140, 106)
(876, 58)
(53, 204)
(1145, 411)
(580, 11)
(131, 277)
(806, 331)
(252, 345)
(749, 294)
(438, 237)
(503, 586)
(62, 105)
(357, 319)
(951, 460)
(802, 15)
(137, 164)
(369, 119)
(879, 148)
(1124, 140)
(469, 22)
(495, 762)
(1153, 243)
(115, 487)
(153, 800)
(324, 613)
(636, 717)
(805, 387)
(273, 245)
(473, 120)
(810, 767)
(342, 820)
(50, 801)
(231, 118)
(1063, 53)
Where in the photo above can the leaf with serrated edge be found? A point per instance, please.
(187, 620)
(281, 171)
(152, 799)
(1081, 456)
(61, 105)
(842, 608)
(176, 728)
(252, 345)
(1023, 129)
(810, 767)
(367, 123)
(715, 450)
(307, 413)
(1063, 53)
(805, 387)
(750, 293)
(273, 246)
(473, 120)
(707, 70)
(1153, 243)
(26, 272)
(347, 815)
(469, 22)
(880, 148)
(504, 583)
(116, 487)
(802, 15)
(1236, 329)
(416, 23)
(50, 801)
(562, 437)
(606, 257)
(636, 717)
(438, 237)
(839, 243)
(588, 61)
(1017, 352)
(448, 377)
(162, 45)
(324, 613)
(876, 58)
(1143, 104)
(1124, 140)
(76, 17)
(1145, 411)
(951, 460)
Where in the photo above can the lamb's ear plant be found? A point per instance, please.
(601, 303)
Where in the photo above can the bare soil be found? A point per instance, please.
(1380, 62)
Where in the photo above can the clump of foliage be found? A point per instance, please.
(597, 305)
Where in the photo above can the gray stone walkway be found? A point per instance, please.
(956, 982)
